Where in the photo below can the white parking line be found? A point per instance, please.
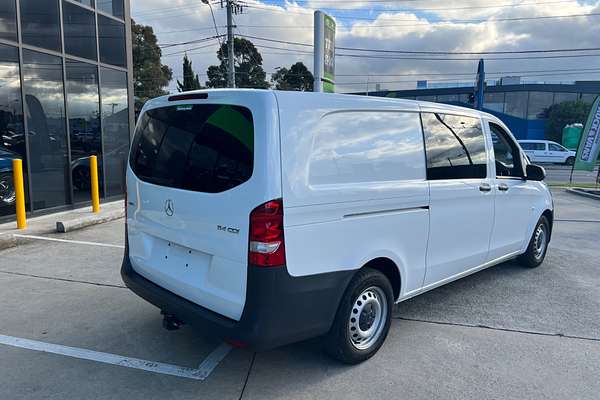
(200, 373)
(117, 246)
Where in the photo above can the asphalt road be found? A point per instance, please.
(504, 333)
(562, 173)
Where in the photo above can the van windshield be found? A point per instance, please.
(201, 147)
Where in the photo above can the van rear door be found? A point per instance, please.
(197, 169)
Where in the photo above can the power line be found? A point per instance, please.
(265, 7)
(429, 23)
(430, 52)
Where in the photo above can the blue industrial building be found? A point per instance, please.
(521, 106)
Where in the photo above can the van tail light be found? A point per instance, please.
(266, 244)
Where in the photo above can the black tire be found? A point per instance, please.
(570, 161)
(536, 251)
(373, 286)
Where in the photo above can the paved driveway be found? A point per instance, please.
(506, 332)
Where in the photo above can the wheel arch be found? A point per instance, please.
(549, 214)
(390, 269)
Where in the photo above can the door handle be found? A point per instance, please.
(485, 187)
(503, 187)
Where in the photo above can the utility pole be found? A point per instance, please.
(230, 49)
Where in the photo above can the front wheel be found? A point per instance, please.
(570, 161)
(363, 318)
(538, 245)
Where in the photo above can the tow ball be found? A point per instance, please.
(170, 322)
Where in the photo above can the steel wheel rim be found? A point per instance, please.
(368, 317)
(7, 194)
(539, 241)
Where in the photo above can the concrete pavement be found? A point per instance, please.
(541, 338)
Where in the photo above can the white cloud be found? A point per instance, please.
(414, 30)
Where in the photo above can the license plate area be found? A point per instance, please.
(181, 260)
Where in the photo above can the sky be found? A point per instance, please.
(470, 26)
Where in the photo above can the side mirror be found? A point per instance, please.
(535, 172)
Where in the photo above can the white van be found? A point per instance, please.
(271, 217)
(547, 151)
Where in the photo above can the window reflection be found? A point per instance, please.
(80, 31)
(84, 125)
(12, 139)
(111, 36)
(8, 20)
(367, 147)
(455, 147)
(44, 99)
(40, 23)
(113, 7)
(115, 124)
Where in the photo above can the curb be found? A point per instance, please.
(79, 223)
(7, 241)
(580, 192)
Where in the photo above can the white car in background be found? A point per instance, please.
(546, 151)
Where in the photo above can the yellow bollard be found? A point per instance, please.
(94, 179)
(19, 193)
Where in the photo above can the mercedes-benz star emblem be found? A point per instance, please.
(169, 209)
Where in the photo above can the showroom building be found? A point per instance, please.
(521, 106)
(65, 94)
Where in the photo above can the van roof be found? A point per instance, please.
(314, 99)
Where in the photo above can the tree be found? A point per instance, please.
(149, 75)
(248, 67)
(190, 80)
(561, 114)
(298, 78)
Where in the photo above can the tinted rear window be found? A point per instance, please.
(205, 148)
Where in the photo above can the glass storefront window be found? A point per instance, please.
(47, 136)
(494, 101)
(515, 104)
(8, 20)
(40, 22)
(447, 98)
(426, 98)
(588, 97)
(113, 7)
(80, 31)
(562, 97)
(115, 126)
(12, 138)
(111, 35)
(83, 103)
(89, 3)
(538, 104)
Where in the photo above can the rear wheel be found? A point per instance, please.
(538, 245)
(363, 318)
(570, 161)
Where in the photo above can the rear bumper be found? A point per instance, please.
(279, 309)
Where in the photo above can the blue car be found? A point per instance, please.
(7, 188)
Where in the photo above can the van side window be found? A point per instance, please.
(507, 154)
(204, 148)
(555, 147)
(367, 146)
(455, 147)
(527, 146)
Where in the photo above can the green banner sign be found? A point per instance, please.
(589, 145)
(329, 55)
